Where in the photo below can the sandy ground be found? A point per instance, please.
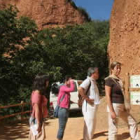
(74, 128)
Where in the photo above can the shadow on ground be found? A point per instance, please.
(75, 113)
(16, 130)
(122, 136)
(97, 135)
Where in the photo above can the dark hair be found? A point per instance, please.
(67, 77)
(114, 64)
(91, 70)
(40, 83)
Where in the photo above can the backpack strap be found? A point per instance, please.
(117, 83)
(87, 92)
(61, 99)
(88, 87)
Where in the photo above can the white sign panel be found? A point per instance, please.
(135, 81)
(135, 98)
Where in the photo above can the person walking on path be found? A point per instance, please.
(64, 102)
(39, 107)
(116, 104)
(90, 103)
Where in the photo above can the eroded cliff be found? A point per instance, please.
(47, 13)
(124, 45)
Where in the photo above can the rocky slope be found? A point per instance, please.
(47, 13)
(124, 45)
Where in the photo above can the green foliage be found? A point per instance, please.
(56, 52)
(14, 33)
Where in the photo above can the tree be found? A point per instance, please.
(75, 48)
(15, 34)
(25, 52)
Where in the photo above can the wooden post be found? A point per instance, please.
(127, 85)
(22, 109)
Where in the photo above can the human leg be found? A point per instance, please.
(63, 117)
(112, 131)
(113, 123)
(89, 122)
(127, 117)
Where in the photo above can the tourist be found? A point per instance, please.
(64, 103)
(115, 104)
(90, 93)
(39, 107)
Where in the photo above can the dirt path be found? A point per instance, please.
(73, 131)
(74, 128)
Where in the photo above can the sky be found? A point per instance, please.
(97, 9)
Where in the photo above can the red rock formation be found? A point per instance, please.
(47, 13)
(124, 45)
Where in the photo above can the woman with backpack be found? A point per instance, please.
(116, 107)
(64, 103)
(39, 107)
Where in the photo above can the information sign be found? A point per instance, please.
(135, 98)
(135, 81)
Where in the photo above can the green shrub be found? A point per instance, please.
(56, 52)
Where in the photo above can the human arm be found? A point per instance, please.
(84, 87)
(37, 116)
(109, 103)
(44, 108)
(36, 100)
(81, 91)
(68, 89)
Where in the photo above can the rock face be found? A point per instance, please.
(47, 13)
(124, 45)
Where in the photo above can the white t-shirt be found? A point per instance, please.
(93, 92)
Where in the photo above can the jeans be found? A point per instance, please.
(63, 115)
